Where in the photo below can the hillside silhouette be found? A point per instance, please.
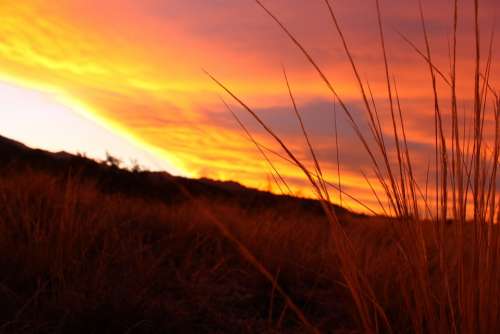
(88, 247)
(161, 186)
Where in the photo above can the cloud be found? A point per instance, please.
(138, 65)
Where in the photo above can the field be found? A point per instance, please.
(78, 257)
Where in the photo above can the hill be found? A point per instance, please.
(87, 247)
(160, 186)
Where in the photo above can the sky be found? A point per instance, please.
(128, 77)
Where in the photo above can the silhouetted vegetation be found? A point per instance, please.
(87, 247)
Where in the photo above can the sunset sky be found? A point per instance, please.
(127, 77)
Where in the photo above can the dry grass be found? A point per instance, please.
(77, 260)
(448, 276)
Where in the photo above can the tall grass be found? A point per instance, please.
(76, 259)
(447, 276)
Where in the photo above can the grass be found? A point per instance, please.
(76, 259)
(459, 292)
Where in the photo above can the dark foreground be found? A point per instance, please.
(86, 247)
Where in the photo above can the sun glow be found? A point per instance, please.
(54, 121)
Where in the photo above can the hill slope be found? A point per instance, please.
(144, 184)
(87, 247)
(91, 248)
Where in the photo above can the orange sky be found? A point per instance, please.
(134, 68)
